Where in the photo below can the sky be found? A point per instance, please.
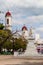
(28, 12)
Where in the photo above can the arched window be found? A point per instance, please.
(7, 21)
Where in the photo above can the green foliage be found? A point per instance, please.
(4, 39)
(20, 43)
(8, 45)
(3, 35)
(1, 26)
(8, 42)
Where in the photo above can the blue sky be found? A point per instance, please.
(28, 12)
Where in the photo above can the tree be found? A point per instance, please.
(8, 45)
(1, 26)
(4, 36)
(5, 41)
(20, 44)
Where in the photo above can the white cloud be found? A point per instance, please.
(38, 18)
(23, 3)
(40, 29)
(28, 20)
(26, 3)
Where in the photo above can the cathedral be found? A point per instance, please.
(25, 33)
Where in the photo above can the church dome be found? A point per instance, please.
(8, 14)
(24, 28)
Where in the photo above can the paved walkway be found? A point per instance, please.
(11, 60)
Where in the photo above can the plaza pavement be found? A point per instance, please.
(11, 60)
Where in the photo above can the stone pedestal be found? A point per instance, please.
(31, 49)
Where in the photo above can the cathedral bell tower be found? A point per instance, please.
(25, 32)
(8, 21)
